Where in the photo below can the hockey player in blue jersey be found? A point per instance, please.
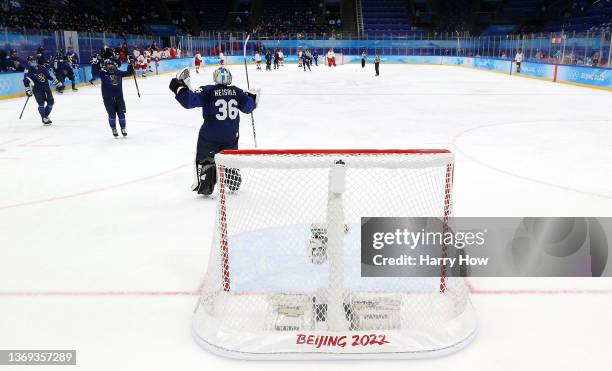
(220, 105)
(14, 63)
(96, 66)
(112, 93)
(63, 69)
(73, 58)
(36, 81)
(40, 57)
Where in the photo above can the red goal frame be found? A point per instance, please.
(329, 151)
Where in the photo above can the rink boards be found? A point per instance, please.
(11, 84)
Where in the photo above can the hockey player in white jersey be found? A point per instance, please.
(197, 60)
(281, 57)
(156, 57)
(147, 55)
(141, 65)
(257, 59)
(518, 59)
(300, 58)
(331, 58)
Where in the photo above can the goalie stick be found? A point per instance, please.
(246, 70)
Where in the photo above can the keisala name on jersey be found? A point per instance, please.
(341, 341)
(225, 92)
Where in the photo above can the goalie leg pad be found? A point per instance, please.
(206, 177)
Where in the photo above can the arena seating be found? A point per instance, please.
(555, 16)
(583, 15)
(385, 17)
(283, 17)
(521, 10)
(212, 13)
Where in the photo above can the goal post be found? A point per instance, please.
(339, 59)
(283, 279)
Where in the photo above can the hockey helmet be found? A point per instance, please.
(222, 76)
(32, 62)
(110, 65)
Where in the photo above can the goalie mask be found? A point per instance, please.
(222, 76)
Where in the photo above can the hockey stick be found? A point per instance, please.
(127, 53)
(246, 70)
(135, 81)
(27, 99)
(24, 106)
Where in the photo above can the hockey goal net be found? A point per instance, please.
(339, 59)
(283, 279)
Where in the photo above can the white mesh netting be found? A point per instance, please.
(285, 258)
(339, 59)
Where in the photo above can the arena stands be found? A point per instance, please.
(282, 17)
(555, 15)
(454, 16)
(212, 14)
(521, 11)
(583, 15)
(309, 18)
(66, 14)
(385, 17)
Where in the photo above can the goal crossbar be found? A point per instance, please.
(329, 151)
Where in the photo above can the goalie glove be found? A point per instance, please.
(254, 93)
(185, 76)
(28, 91)
(176, 85)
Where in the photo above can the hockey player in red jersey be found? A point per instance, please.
(147, 55)
(257, 59)
(331, 58)
(141, 65)
(197, 61)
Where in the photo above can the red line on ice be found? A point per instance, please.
(99, 293)
(541, 292)
(95, 190)
(197, 292)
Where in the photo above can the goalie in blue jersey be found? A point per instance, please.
(221, 104)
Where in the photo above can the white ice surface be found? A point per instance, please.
(103, 246)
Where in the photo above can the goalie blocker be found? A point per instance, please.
(221, 104)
